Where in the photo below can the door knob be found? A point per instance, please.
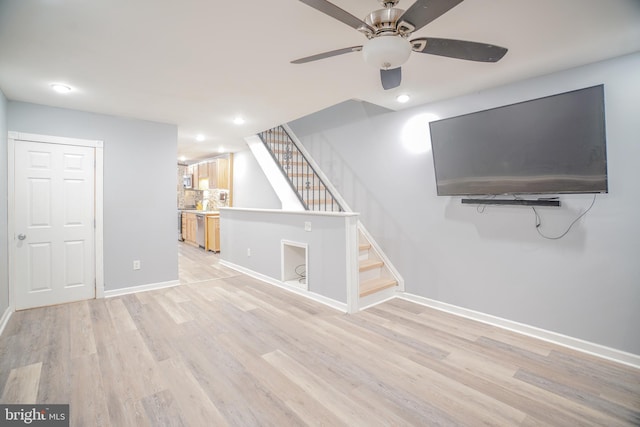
(22, 236)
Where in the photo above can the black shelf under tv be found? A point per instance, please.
(515, 202)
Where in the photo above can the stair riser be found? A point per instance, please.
(369, 274)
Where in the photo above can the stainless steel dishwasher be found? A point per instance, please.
(200, 229)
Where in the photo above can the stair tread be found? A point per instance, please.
(364, 246)
(369, 264)
(371, 286)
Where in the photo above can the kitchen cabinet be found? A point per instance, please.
(194, 171)
(213, 233)
(213, 174)
(189, 228)
(203, 170)
(222, 173)
(218, 171)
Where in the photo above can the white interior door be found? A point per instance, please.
(54, 220)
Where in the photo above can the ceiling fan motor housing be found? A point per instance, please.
(384, 20)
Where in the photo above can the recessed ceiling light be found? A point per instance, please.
(200, 137)
(403, 98)
(238, 120)
(60, 88)
(221, 149)
(183, 158)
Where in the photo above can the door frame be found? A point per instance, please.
(99, 202)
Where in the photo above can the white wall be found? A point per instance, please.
(251, 189)
(4, 240)
(140, 219)
(586, 285)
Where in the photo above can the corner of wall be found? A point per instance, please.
(4, 238)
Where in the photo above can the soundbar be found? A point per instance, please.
(516, 202)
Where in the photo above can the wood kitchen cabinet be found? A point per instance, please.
(222, 173)
(212, 242)
(189, 227)
(218, 173)
(193, 170)
(203, 170)
(213, 174)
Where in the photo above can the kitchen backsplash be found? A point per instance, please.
(214, 197)
(182, 194)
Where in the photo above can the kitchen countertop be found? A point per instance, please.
(197, 212)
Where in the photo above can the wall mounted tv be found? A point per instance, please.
(550, 145)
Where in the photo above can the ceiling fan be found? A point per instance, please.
(388, 31)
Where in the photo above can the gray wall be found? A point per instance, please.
(251, 189)
(4, 255)
(586, 285)
(262, 231)
(140, 221)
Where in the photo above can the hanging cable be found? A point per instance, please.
(301, 271)
(539, 221)
(480, 208)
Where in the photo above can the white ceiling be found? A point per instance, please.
(199, 63)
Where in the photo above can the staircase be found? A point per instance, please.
(304, 180)
(376, 281)
(374, 276)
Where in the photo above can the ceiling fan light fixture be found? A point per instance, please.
(386, 52)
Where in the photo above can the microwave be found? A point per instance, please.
(187, 181)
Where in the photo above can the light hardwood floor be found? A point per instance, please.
(225, 349)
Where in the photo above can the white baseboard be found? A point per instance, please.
(5, 319)
(296, 290)
(604, 352)
(142, 288)
(377, 298)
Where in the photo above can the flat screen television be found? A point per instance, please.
(550, 145)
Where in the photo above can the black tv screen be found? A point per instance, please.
(555, 144)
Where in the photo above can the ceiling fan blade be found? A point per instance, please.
(391, 78)
(341, 15)
(327, 54)
(460, 49)
(424, 11)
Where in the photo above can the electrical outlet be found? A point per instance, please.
(136, 264)
(248, 251)
(307, 226)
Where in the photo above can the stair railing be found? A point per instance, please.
(304, 180)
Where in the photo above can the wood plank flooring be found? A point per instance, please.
(223, 349)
